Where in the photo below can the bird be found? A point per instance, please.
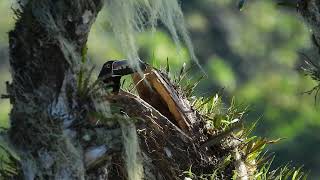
(113, 70)
(153, 87)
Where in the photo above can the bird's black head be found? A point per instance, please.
(106, 71)
(119, 68)
(112, 71)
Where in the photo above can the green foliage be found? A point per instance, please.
(217, 118)
(222, 123)
(215, 173)
(286, 172)
(221, 167)
(10, 167)
(85, 85)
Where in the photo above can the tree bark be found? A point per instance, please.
(45, 54)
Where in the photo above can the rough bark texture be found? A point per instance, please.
(170, 151)
(45, 54)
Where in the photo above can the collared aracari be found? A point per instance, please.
(112, 71)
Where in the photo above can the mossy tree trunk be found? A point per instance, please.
(45, 54)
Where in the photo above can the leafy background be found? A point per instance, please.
(251, 54)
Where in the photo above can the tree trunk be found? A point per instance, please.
(45, 55)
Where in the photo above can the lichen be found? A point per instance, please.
(130, 17)
(134, 165)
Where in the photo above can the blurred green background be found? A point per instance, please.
(252, 55)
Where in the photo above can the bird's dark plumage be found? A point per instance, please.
(112, 71)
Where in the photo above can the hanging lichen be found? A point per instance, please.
(129, 17)
(131, 150)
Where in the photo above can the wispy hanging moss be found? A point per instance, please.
(129, 17)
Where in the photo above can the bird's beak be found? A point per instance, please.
(122, 68)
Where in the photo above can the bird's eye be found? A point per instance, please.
(108, 65)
